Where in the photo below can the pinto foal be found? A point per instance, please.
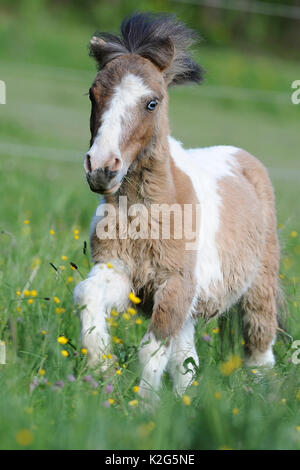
(131, 155)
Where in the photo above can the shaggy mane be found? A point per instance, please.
(160, 38)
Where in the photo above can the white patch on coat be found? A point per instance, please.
(154, 356)
(126, 96)
(205, 167)
(259, 359)
(103, 289)
(183, 347)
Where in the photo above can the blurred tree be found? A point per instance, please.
(218, 26)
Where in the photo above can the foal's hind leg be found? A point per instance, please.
(260, 319)
(103, 289)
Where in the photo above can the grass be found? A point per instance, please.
(43, 135)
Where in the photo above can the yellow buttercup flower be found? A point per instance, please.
(52, 232)
(42, 372)
(294, 234)
(109, 356)
(138, 321)
(111, 401)
(117, 340)
(217, 395)
(76, 231)
(56, 300)
(195, 383)
(118, 372)
(64, 258)
(30, 301)
(26, 222)
(60, 310)
(18, 293)
(109, 265)
(136, 388)
(44, 332)
(126, 316)
(216, 330)
(84, 351)
(26, 293)
(35, 262)
(33, 293)
(132, 311)
(62, 340)
(64, 353)
(24, 437)
(233, 363)
(186, 400)
(133, 403)
(235, 411)
(114, 313)
(134, 299)
(69, 279)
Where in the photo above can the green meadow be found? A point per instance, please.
(49, 399)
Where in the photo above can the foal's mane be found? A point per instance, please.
(158, 37)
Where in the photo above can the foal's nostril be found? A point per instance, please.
(116, 164)
(87, 163)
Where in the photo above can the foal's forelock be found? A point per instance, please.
(119, 115)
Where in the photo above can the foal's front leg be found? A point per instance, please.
(103, 289)
(161, 344)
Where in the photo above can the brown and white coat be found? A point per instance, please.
(235, 255)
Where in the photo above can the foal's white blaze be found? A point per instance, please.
(205, 167)
(125, 97)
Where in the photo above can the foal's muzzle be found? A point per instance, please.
(103, 181)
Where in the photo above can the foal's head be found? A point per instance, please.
(129, 93)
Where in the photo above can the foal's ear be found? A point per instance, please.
(104, 51)
(160, 51)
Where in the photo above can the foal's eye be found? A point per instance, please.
(151, 105)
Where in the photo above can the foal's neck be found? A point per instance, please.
(150, 180)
